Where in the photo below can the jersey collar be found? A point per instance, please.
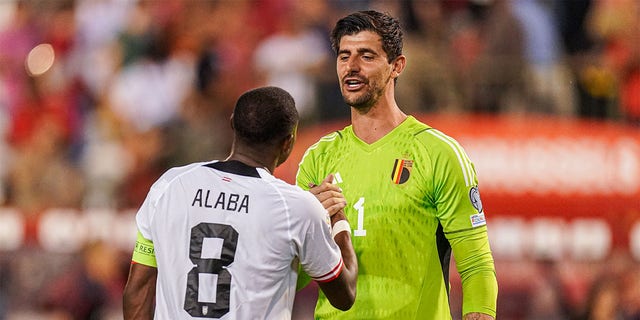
(235, 167)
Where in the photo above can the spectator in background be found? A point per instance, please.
(616, 26)
(594, 82)
(630, 293)
(603, 300)
(147, 95)
(292, 58)
(20, 35)
(200, 132)
(549, 300)
(104, 160)
(96, 56)
(547, 81)
(4, 290)
(17, 37)
(5, 156)
(152, 86)
(427, 85)
(44, 126)
(487, 47)
(497, 80)
(89, 288)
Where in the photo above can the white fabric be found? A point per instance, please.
(277, 224)
(341, 225)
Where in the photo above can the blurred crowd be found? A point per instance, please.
(99, 97)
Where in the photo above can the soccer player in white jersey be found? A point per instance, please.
(224, 239)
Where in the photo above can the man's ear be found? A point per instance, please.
(286, 148)
(399, 64)
(288, 143)
(231, 122)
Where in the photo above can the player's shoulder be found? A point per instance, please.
(178, 171)
(293, 195)
(437, 145)
(168, 179)
(435, 139)
(174, 173)
(289, 191)
(330, 140)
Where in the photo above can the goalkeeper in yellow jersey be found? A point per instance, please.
(411, 190)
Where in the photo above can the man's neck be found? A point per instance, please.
(377, 122)
(249, 158)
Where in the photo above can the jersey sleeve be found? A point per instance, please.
(319, 255)
(455, 186)
(144, 252)
(305, 175)
(308, 173)
(461, 214)
(477, 273)
(144, 216)
(147, 211)
(313, 159)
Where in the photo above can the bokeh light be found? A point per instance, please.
(40, 59)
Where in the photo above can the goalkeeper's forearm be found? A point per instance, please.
(477, 273)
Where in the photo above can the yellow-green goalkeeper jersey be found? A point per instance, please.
(409, 195)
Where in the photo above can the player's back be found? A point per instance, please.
(225, 237)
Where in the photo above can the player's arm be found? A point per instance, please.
(341, 292)
(477, 273)
(460, 211)
(140, 291)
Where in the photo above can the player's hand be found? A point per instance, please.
(329, 194)
(477, 316)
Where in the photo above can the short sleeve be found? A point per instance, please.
(319, 255)
(146, 212)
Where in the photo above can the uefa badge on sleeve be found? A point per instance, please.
(474, 196)
(477, 219)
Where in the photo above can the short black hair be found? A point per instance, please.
(264, 115)
(383, 24)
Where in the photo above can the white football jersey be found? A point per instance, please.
(228, 239)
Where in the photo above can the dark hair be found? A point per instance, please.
(264, 116)
(383, 24)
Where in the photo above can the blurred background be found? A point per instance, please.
(99, 97)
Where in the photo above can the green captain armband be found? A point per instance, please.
(144, 253)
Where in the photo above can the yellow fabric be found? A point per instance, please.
(475, 265)
(144, 253)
